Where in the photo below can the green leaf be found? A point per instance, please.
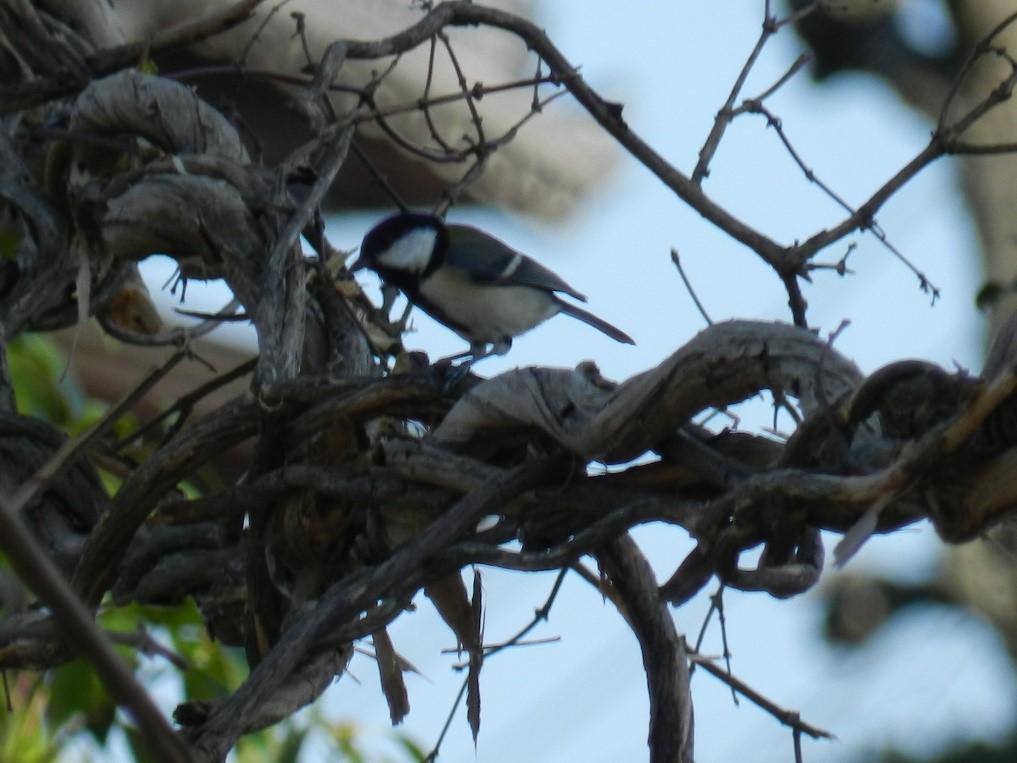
(24, 736)
(76, 692)
(345, 735)
(217, 670)
(36, 366)
(414, 750)
(292, 742)
(139, 749)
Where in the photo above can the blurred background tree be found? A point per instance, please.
(918, 48)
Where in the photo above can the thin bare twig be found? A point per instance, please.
(425, 105)
(178, 336)
(433, 754)
(256, 35)
(821, 397)
(726, 113)
(787, 717)
(451, 194)
(688, 286)
(798, 64)
(185, 404)
(539, 615)
(142, 640)
(718, 601)
(465, 89)
(871, 225)
(980, 49)
(378, 176)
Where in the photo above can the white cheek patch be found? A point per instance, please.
(412, 252)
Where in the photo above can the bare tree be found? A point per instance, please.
(366, 480)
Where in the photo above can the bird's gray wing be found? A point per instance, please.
(487, 260)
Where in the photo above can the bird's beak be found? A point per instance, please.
(359, 264)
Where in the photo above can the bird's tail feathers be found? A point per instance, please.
(598, 323)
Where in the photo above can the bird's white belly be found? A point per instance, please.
(487, 313)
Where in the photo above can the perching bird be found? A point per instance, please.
(479, 287)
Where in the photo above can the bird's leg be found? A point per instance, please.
(456, 374)
(470, 353)
(477, 351)
(500, 347)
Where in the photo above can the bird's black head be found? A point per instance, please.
(404, 248)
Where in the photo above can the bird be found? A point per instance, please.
(469, 281)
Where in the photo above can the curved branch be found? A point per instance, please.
(724, 364)
(664, 657)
